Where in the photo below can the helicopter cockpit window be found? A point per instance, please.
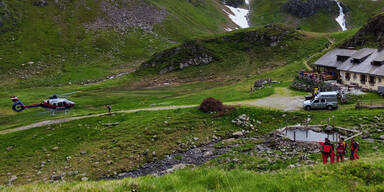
(60, 104)
(48, 102)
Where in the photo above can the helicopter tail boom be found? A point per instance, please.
(19, 106)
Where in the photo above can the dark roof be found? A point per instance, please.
(379, 57)
(362, 53)
(330, 58)
(366, 67)
(345, 52)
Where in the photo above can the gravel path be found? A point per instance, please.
(276, 101)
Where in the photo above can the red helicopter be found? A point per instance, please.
(54, 103)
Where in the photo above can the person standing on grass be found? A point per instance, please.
(341, 147)
(109, 108)
(354, 149)
(327, 150)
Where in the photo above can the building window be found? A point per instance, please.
(354, 76)
(379, 79)
(347, 76)
(363, 79)
(371, 79)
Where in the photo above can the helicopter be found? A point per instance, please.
(54, 103)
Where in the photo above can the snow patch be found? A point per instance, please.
(341, 18)
(239, 15)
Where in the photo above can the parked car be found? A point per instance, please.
(323, 100)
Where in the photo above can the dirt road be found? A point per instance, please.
(277, 101)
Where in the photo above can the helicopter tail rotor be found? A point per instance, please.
(17, 104)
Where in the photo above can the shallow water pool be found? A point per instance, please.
(310, 135)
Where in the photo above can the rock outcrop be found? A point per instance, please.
(371, 34)
(306, 8)
(194, 53)
(40, 3)
(234, 3)
(122, 17)
(190, 53)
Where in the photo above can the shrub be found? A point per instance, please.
(210, 105)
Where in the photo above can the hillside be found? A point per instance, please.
(44, 42)
(241, 59)
(167, 56)
(106, 146)
(370, 35)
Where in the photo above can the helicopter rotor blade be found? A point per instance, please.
(67, 94)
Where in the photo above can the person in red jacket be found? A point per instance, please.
(340, 150)
(354, 149)
(327, 151)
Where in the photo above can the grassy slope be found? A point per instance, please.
(265, 12)
(268, 11)
(125, 144)
(56, 39)
(361, 11)
(258, 61)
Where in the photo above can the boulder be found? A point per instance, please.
(238, 134)
(84, 179)
(40, 3)
(55, 148)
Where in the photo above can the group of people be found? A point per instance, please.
(328, 150)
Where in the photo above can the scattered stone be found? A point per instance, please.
(9, 148)
(39, 3)
(243, 121)
(83, 152)
(55, 148)
(12, 179)
(328, 128)
(83, 174)
(111, 124)
(264, 83)
(84, 179)
(56, 177)
(237, 134)
(195, 138)
(109, 162)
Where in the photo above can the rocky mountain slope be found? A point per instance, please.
(204, 51)
(308, 8)
(370, 35)
(44, 42)
(314, 15)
